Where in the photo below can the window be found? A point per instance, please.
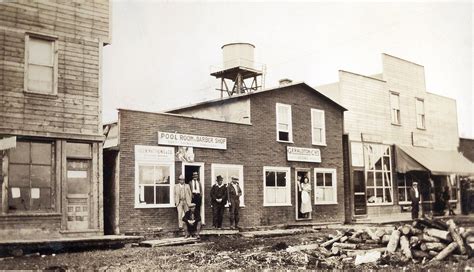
(31, 172)
(318, 127)
(276, 184)
(326, 186)
(41, 65)
(453, 187)
(404, 183)
(227, 171)
(420, 113)
(395, 108)
(154, 185)
(283, 119)
(377, 160)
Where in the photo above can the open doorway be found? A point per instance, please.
(188, 170)
(303, 193)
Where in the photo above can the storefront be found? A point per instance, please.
(291, 134)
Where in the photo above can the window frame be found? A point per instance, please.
(290, 123)
(406, 187)
(171, 184)
(52, 39)
(422, 114)
(333, 172)
(374, 172)
(241, 178)
(397, 110)
(323, 127)
(288, 186)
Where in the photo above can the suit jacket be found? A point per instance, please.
(187, 193)
(233, 195)
(218, 192)
(413, 195)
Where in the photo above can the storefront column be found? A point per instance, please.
(5, 159)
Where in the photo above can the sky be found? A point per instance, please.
(162, 52)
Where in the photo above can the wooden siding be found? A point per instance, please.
(81, 29)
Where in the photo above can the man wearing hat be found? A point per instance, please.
(218, 201)
(192, 219)
(182, 199)
(415, 200)
(233, 193)
(196, 189)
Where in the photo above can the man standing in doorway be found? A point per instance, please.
(415, 200)
(182, 199)
(234, 192)
(196, 189)
(218, 201)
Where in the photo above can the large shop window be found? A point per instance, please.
(41, 65)
(453, 187)
(318, 127)
(326, 186)
(227, 171)
(154, 185)
(31, 175)
(420, 113)
(404, 182)
(283, 122)
(377, 160)
(276, 184)
(395, 108)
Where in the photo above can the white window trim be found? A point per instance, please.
(422, 114)
(334, 185)
(55, 62)
(288, 186)
(290, 123)
(323, 131)
(407, 189)
(139, 205)
(391, 109)
(241, 180)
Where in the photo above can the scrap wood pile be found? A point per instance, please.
(425, 240)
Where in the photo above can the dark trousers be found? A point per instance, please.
(197, 200)
(217, 215)
(234, 213)
(415, 208)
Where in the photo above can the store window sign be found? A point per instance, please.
(154, 153)
(303, 154)
(177, 139)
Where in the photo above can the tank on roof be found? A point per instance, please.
(238, 54)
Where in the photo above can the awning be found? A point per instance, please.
(438, 162)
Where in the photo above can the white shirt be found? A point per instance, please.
(416, 192)
(196, 189)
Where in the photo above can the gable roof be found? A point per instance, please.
(239, 96)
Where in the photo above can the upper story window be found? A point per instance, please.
(41, 71)
(283, 122)
(420, 113)
(395, 108)
(318, 127)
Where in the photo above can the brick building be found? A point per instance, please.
(266, 138)
(398, 133)
(50, 111)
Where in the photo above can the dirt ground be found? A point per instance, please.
(216, 253)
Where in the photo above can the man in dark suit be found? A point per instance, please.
(234, 192)
(415, 200)
(192, 218)
(218, 201)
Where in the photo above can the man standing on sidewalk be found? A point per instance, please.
(218, 201)
(415, 200)
(182, 199)
(196, 189)
(234, 192)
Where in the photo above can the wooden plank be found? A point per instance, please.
(169, 242)
(100, 187)
(5, 163)
(116, 222)
(205, 232)
(63, 185)
(94, 187)
(58, 177)
(274, 232)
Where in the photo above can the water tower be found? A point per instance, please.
(238, 70)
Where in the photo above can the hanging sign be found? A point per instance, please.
(177, 139)
(7, 143)
(303, 154)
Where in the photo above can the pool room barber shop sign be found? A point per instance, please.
(177, 139)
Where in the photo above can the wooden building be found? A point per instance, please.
(50, 100)
(398, 133)
(268, 139)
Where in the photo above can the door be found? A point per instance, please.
(301, 175)
(360, 198)
(188, 170)
(78, 194)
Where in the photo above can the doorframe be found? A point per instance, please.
(307, 170)
(202, 180)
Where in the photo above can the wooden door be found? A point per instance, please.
(78, 194)
(360, 198)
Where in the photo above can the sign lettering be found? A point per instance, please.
(177, 139)
(303, 154)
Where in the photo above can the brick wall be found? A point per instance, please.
(253, 146)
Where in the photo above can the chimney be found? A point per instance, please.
(285, 81)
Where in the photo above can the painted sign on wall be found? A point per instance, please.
(145, 153)
(177, 139)
(303, 154)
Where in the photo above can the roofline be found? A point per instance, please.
(252, 93)
(403, 59)
(234, 43)
(369, 77)
(466, 138)
(447, 97)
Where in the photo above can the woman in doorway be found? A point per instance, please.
(306, 207)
